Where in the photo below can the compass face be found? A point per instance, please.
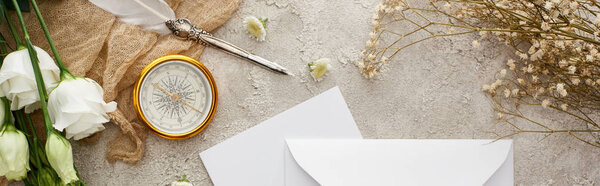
(175, 97)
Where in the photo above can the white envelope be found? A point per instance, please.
(383, 162)
(255, 157)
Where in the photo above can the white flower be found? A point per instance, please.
(370, 43)
(589, 82)
(319, 67)
(60, 156)
(373, 35)
(574, 5)
(549, 5)
(506, 93)
(256, 27)
(486, 88)
(564, 107)
(447, 6)
(545, 26)
(562, 63)
(511, 64)
(545, 103)
(560, 88)
(384, 59)
(529, 5)
(475, 44)
(371, 57)
(77, 105)
(575, 81)
(515, 92)
(14, 153)
(572, 69)
(17, 81)
(483, 33)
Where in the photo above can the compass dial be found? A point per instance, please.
(176, 97)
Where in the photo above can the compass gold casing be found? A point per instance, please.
(176, 96)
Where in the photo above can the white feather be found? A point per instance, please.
(149, 14)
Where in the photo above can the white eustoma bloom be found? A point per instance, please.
(17, 81)
(77, 106)
(319, 67)
(60, 156)
(256, 27)
(14, 153)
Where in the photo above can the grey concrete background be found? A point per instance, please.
(431, 90)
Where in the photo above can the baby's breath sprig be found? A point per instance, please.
(556, 44)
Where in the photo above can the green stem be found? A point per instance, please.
(12, 28)
(4, 48)
(40, 150)
(36, 70)
(33, 142)
(63, 68)
(7, 119)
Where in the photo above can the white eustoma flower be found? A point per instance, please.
(60, 156)
(256, 27)
(14, 153)
(17, 81)
(77, 106)
(319, 67)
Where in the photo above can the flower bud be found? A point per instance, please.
(60, 156)
(14, 153)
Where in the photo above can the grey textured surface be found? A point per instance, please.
(431, 90)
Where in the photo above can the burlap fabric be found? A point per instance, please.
(95, 44)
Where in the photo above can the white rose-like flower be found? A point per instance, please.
(60, 156)
(14, 153)
(77, 106)
(256, 27)
(17, 81)
(319, 67)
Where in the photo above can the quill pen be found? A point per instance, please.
(157, 16)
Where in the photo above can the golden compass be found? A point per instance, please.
(176, 96)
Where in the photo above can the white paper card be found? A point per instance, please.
(391, 162)
(255, 157)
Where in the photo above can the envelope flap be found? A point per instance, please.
(390, 162)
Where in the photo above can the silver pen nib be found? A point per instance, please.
(184, 29)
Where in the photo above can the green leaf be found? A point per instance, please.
(264, 21)
(23, 5)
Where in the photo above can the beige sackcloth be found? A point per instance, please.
(95, 44)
